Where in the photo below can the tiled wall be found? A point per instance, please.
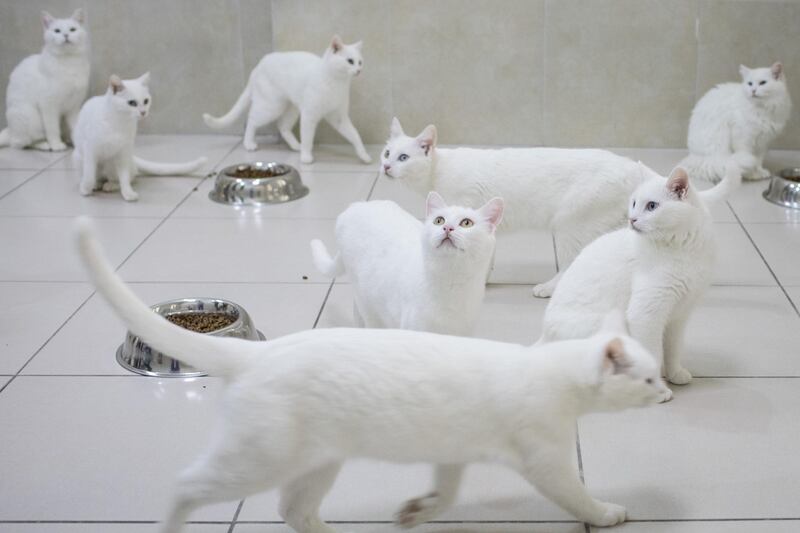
(530, 72)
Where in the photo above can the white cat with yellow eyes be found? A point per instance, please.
(407, 274)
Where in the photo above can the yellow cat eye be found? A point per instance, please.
(466, 223)
(438, 221)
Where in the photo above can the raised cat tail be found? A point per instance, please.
(231, 116)
(217, 355)
(168, 169)
(328, 266)
(713, 168)
(5, 137)
(730, 182)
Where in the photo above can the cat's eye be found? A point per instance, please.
(403, 157)
(750, 83)
(132, 103)
(146, 100)
(57, 30)
(359, 63)
(466, 223)
(351, 61)
(651, 206)
(649, 381)
(72, 29)
(762, 82)
(438, 221)
(386, 153)
(634, 204)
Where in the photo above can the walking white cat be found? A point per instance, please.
(738, 120)
(105, 135)
(298, 406)
(577, 194)
(655, 270)
(407, 274)
(288, 85)
(48, 88)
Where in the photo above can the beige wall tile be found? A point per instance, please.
(754, 34)
(473, 68)
(619, 72)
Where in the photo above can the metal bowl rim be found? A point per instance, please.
(789, 173)
(250, 164)
(779, 183)
(238, 322)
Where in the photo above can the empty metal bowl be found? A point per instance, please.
(784, 190)
(257, 183)
(135, 355)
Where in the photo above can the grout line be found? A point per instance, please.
(36, 173)
(236, 516)
(580, 465)
(555, 250)
(130, 375)
(324, 301)
(275, 522)
(374, 184)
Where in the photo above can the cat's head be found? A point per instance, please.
(762, 84)
(64, 36)
(409, 158)
(344, 58)
(131, 97)
(451, 229)
(666, 210)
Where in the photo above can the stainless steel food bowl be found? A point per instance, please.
(135, 355)
(257, 183)
(784, 189)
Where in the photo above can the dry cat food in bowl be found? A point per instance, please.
(211, 316)
(257, 183)
(784, 189)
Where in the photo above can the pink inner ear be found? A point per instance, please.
(434, 202)
(493, 211)
(678, 182)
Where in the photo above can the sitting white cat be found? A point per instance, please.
(298, 406)
(288, 85)
(407, 274)
(738, 120)
(655, 270)
(49, 87)
(577, 194)
(105, 135)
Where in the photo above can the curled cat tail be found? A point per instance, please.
(322, 260)
(730, 182)
(217, 355)
(169, 169)
(5, 137)
(231, 116)
(713, 168)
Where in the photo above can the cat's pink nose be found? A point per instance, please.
(387, 167)
(633, 221)
(447, 229)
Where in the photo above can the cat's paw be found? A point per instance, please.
(418, 511)
(58, 146)
(365, 158)
(110, 186)
(613, 514)
(250, 146)
(306, 158)
(665, 396)
(680, 377)
(544, 290)
(757, 174)
(85, 190)
(130, 196)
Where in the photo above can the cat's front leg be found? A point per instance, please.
(88, 174)
(673, 343)
(123, 169)
(649, 331)
(51, 121)
(344, 126)
(308, 128)
(425, 508)
(72, 120)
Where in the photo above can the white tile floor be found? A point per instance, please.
(87, 447)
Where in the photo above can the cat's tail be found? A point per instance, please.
(714, 167)
(5, 137)
(216, 355)
(231, 116)
(731, 180)
(169, 169)
(328, 266)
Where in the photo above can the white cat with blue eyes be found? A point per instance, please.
(48, 88)
(286, 86)
(407, 274)
(654, 270)
(738, 120)
(104, 139)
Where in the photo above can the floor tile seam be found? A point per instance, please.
(324, 302)
(378, 522)
(236, 515)
(137, 217)
(234, 217)
(35, 174)
(372, 188)
(54, 375)
(154, 282)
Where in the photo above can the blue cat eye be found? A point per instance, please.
(402, 157)
(57, 30)
(146, 100)
(350, 61)
(749, 83)
(651, 206)
(132, 103)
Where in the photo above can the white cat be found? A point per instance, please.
(407, 274)
(577, 194)
(105, 135)
(655, 270)
(46, 88)
(298, 406)
(739, 120)
(288, 85)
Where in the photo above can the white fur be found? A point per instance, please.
(48, 88)
(577, 194)
(105, 135)
(297, 407)
(407, 274)
(288, 85)
(739, 120)
(654, 271)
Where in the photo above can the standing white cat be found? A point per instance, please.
(577, 194)
(407, 274)
(655, 270)
(297, 407)
(288, 85)
(48, 88)
(738, 120)
(105, 135)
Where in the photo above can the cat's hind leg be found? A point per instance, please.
(264, 110)
(425, 508)
(286, 125)
(308, 128)
(301, 498)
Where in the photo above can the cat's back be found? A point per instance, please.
(719, 100)
(24, 78)
(378, 224)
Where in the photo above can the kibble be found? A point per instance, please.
(254, 173)
(201, 322)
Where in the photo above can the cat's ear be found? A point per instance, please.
(434, 202)
(77, 16)
(358, 45)
(678, 183)
(777, 70)
(427, 139)
(336, 44)
(396, 129)
(744, 71)
(492, 211)
(47, 19)
(615, 360)
(615, 322)
(144, 79)
(115, 83)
